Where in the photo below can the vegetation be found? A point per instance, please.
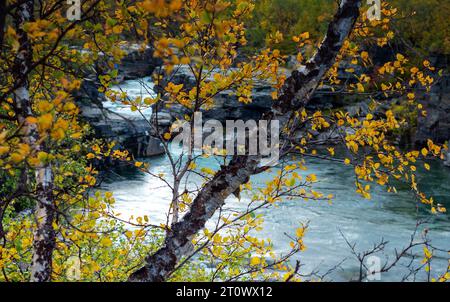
(74, 232)
(422, 25)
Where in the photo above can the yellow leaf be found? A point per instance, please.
(172, 88)
(360, 87)
(138, 164)
(42, 156)
(117, 29)
(31, 120)
(305, 35)
(45, 121)
(44, 106)
(331, 150)
(255, 261)
(364, 55)
(16, 158)
(106, 242)
(311, 178)
(424, 152)
(76, 135)
(176, 5)
(4, 150)
(300, 232)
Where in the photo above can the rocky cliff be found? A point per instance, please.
(130, 132)
(436, 125)
(133, 132)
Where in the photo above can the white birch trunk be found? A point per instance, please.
(44, 237)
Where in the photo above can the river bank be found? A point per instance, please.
(387, 216)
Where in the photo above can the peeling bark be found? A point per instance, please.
(295, 93)
(211, 198)
(300, 86)
(44, 236)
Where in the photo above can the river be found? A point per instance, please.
(387, 215)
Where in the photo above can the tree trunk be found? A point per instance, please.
(3, 13)
(296, 92)
(44, 236)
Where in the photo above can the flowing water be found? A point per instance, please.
(142, 88)
(365, 222)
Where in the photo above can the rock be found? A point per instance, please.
(327, 137)
(226, 105)
(163, 119)
(436, 124)
(89, 94)
(447, 158)
(132, 134)
(137, 63)
(153, 147)
(360, 108)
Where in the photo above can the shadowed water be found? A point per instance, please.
(387, 215)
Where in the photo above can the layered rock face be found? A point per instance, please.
(130, 131)
(226, 105)
(134, 133)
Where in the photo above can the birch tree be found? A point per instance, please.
(49, 158)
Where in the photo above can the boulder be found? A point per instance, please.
(130, 133)
(137, 63)
(436, 124)
(447, 158)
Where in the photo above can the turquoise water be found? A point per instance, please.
(389, 216)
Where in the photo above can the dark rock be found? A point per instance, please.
(130, 133)
(226, 105)
(137, 63)
(88, 93)
(447, 158)
(436, 124)
(358, 109)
